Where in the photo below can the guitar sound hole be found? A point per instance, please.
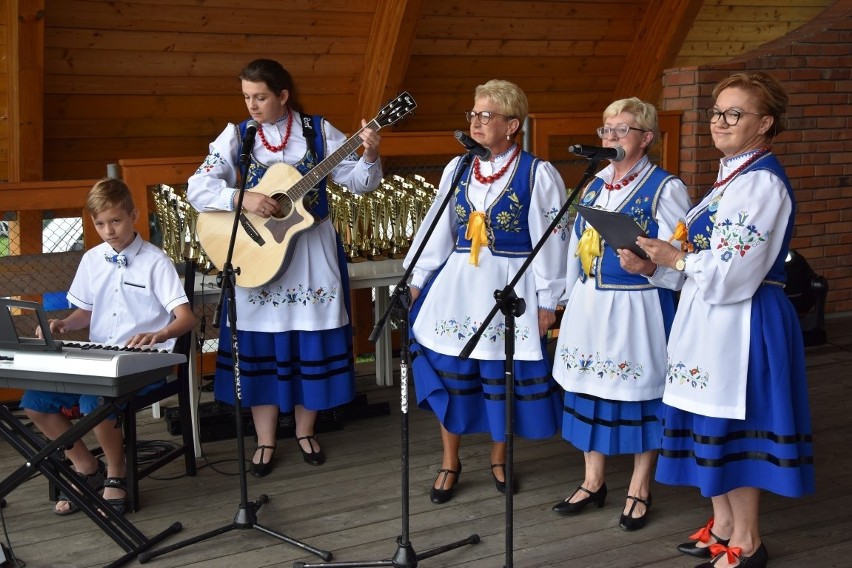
(286, 206)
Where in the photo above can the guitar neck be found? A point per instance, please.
(315, 175)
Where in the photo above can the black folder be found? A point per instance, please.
(619, 230)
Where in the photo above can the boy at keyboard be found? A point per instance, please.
(128, 293)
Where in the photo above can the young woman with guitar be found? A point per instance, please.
(292, 293)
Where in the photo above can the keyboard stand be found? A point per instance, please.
(43, 457)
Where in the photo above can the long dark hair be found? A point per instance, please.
(276, 78)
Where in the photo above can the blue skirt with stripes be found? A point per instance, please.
(772, 448)
(315, 369)
(469, 395)
(611, 427)
(311, 368)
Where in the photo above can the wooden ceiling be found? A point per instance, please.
(88, 82)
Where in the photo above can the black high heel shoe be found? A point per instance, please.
(501, 485)
(263, 469)
(314, 457)
(704, 534)
(758, 559)
(630, 523)
(567, 508)
(439, 496)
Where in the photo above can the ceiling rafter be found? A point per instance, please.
(387, 55)
(655, 46)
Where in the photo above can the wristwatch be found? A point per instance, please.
(680, 264)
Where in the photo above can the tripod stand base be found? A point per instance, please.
(245, 518)
(405, 556)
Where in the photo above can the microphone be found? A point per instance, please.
(248, 140)
(596, 153)
(473, 146)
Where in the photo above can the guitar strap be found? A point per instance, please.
(319, 204)
(310, 135)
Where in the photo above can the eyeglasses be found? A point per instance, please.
(483, 115)
(730, 116)
(620, 131)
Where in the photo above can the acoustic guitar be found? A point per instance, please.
(264, 246)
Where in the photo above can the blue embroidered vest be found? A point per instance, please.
(507, 217)
(317, 200)
(700, 225)
(641, 204)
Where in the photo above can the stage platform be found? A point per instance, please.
(351, 505)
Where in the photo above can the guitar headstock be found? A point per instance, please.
(395, 110)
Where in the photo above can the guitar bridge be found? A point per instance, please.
(250, 230)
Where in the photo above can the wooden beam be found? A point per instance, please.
(656, 44)
(25, 25)
(386, 57)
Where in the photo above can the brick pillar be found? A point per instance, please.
(814, 64)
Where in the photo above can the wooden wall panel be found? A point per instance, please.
(4, 94)
(181, 85)
(24, 54)
(269, 17)
(157, 78)
(566, 56)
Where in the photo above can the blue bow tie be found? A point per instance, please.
(119, 259)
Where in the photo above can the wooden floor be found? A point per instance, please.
(351, 506)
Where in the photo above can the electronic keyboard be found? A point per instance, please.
(86, 368)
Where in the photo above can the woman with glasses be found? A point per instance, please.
(498, 212)
(735, 408)
(611, 352)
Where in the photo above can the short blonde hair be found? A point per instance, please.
(644, 113)
(108, 193)
(508, 96)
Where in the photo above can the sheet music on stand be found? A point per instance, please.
(619, 230)
(10, 339)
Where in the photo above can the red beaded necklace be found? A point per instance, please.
(758, 153)
(281, 146)
(492, 178)
(623, 183)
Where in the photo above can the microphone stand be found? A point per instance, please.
(508, 303)
(246, 517)
(405, 556)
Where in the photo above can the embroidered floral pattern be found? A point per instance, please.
(696, 377)
(701, 241)
(461, 212)
(602, 367)
(510, 221)
(466, 328)
(292, 297)
(637, 210)
(254, 173)
(561, 228)
(737, 237)
(210, 162)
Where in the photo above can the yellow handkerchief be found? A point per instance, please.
(588, 248)
(477, 234)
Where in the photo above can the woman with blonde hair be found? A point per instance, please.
(611, 352)
(499, 210)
